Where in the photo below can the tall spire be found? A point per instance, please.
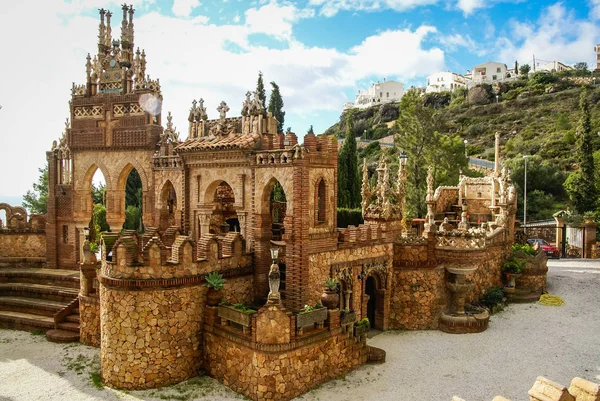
(101, 33)
(131, 11)
(127, 50)
(108, 38)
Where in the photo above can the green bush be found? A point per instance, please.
(493, 298)
(514, 266)
(526, 248)
(349, 217)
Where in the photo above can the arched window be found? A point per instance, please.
(320, 203)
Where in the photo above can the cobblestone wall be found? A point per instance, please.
(282, 375)
(89, 321)
(150, 338)
(418, 298)
(22, 245)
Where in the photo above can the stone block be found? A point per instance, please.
(547, 390)
(584, 390)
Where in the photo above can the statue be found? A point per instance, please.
(430, 183)
(246, 105)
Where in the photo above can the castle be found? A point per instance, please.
(208, 206)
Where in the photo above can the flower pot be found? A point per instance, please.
(330, 299)
(213, 297)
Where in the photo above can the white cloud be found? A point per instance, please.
(595, 9)
(191, 59)
(329, 8)
(236, 19)
(183, 8)
(557, 35)
(276, 20)
(453, 42)
(468, 6)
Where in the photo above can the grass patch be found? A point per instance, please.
(38, 333)
(96, 379)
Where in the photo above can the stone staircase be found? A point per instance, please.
(34, 298)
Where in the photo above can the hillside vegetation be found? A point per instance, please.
(536, 116)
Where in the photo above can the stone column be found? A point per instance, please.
(590, 238)
(497, 154)
(560, 226)
(204, 220)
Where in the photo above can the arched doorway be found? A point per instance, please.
(278, 210)
(169, 212)
(224, 217)
(97, 224)
(133, 202)
(371, 290)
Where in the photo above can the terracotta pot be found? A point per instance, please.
(213, 297)
(330, 299)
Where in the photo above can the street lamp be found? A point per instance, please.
(403, 158)
(86, 233)
(465, 142)
(525, 196)
(496, 98)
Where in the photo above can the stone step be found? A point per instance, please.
(73, 318)
(25, 321)
(39, 291)
(62, 336)
(59, 277)
(69, 326)
(43, 307)
(11, 262)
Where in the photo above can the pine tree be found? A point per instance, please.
(516, 68)
(36, 201)
(348, 184)
(260, 88)
(276, 106)
(580, 185)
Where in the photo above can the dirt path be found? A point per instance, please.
(521, 343)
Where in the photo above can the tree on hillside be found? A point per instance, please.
(516, 68)
(310, 130)
(260, 88)
(276, 106)
(36, 200)
(581, 185)
(581, 66)
(133, 202)
(524, 70)
(99, 194)
(348, 184)
(420, 138)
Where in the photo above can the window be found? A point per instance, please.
(380, 94)
(387, 94)
(493, 77)
(498, 69)
(320, 204)
(65, 234)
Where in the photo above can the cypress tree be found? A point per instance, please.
(260, 88)
(581, 185)
(276, 106)
(348, 184)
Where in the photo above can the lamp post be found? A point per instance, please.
(466, 142)
(525, 196)
(403, 158)
(496, 98)
(86, 233)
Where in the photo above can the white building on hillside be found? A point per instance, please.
(378, 93)
(550, 66)
(445, 81)
(490, 72)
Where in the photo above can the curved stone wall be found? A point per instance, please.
(150, 338)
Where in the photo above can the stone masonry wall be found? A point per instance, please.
(239, 289)
(488, 275)
(89, 321)
(320, 265)
(283, 375)
(22, 245)
(418, 298)
(150, 338)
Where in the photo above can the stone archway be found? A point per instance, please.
(371, 288)
(168, 208)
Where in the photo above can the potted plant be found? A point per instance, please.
(330, 298)
(513, 267)
(589, 217)
(215, 283)
(362, 326)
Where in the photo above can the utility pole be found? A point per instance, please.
(525, 196)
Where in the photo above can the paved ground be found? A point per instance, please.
(521, 343)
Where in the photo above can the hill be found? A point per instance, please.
(531, 121)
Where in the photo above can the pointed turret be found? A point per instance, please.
(108, 36)
(101, 34)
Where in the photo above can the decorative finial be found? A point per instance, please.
(169, 122)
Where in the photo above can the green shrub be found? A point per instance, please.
(349, 217)
(493, 298)
(215, 280)
(362, 322)
(526, 248)
(513, 266)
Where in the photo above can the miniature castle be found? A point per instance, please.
(208, 206)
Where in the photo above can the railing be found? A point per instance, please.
(473, 161)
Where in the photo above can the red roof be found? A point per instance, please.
(219, 142)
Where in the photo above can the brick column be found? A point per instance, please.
(51, 226)
(590, 238)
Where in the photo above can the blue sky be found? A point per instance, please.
(318, 51)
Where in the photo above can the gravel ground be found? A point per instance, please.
(522, 342)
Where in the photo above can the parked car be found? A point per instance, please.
(550, 250)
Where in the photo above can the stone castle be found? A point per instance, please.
(209, 206)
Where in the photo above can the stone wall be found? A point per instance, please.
(89, 321)
(418, 298)
(489, 273)
(282, 375)
(16, 244)
(546, 233)
(150, 338)
(239, 289)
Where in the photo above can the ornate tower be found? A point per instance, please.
(115, 127)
